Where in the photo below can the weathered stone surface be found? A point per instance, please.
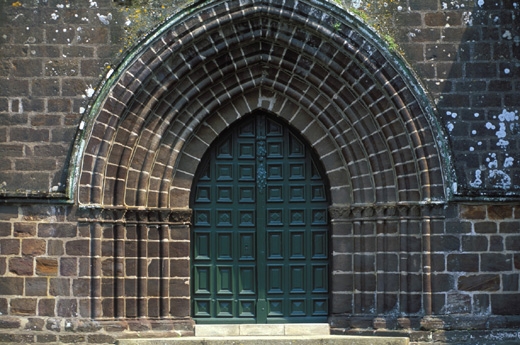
(46, 266)
(23, 306)
(23, 266)
(482, 282)
(33, 247)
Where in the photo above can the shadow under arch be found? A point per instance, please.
(312, 64)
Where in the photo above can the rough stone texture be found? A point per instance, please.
(460, 261)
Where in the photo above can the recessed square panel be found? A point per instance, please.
(224, 218)
(202, 217)
(297, 307)
(246, 150)
(275, 193)
(318, 193)
(247, 308)
(225, 308)
(246, 194)
(297, 217)
(297, 193)
(297, 171)
(224, 194)
(202, 307)
(224, 172)
(320, 306)
(274, 217)
(275, 307)
(274, 149)
(319, 216)
(246, 172)
(203, 194)
(246, 218)
(224, 150)
(274, 172)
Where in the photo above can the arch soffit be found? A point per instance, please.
(342, 91)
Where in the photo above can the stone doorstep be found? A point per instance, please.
(271, 340)
(262, 330)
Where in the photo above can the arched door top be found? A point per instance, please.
(308, 62)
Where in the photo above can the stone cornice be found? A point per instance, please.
(386, 211)
(134, 215)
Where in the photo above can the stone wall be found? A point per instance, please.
(445, 272)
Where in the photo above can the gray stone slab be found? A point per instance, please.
(271, 340)
(217, 330)
(262, 329)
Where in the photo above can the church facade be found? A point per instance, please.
(351, 163)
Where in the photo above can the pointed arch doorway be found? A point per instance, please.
(260, 232)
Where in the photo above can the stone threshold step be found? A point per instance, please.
(271, 340)
(262, 329)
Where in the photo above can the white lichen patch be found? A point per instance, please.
(89, 92)
(105, 19)
(497, 170)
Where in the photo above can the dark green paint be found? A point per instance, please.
(260, 229)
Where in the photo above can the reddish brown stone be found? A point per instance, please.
(180, 307)
(33, 247)
(473, 211)
(23, 306)
(46, 307)
(67, 307)
(55, 247)
(22, 266)
(499, 212)
(11, 285)
(77, 247)
(59, 287)
(36, 286)
(68, 266)
(24, 229)
(46, 266)
(9, 247)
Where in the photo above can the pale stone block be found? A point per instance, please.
(259, 329)
(307, 329)
(216, 330)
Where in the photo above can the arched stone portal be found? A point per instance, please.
(332, 80)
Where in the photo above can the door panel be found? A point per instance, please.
(260, 229)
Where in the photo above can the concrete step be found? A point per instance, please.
(262, 334)
(270, 340)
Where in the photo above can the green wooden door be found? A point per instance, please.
(259, 240)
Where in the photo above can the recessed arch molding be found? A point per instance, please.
(309, 62)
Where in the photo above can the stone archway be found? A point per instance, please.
(326, 75)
